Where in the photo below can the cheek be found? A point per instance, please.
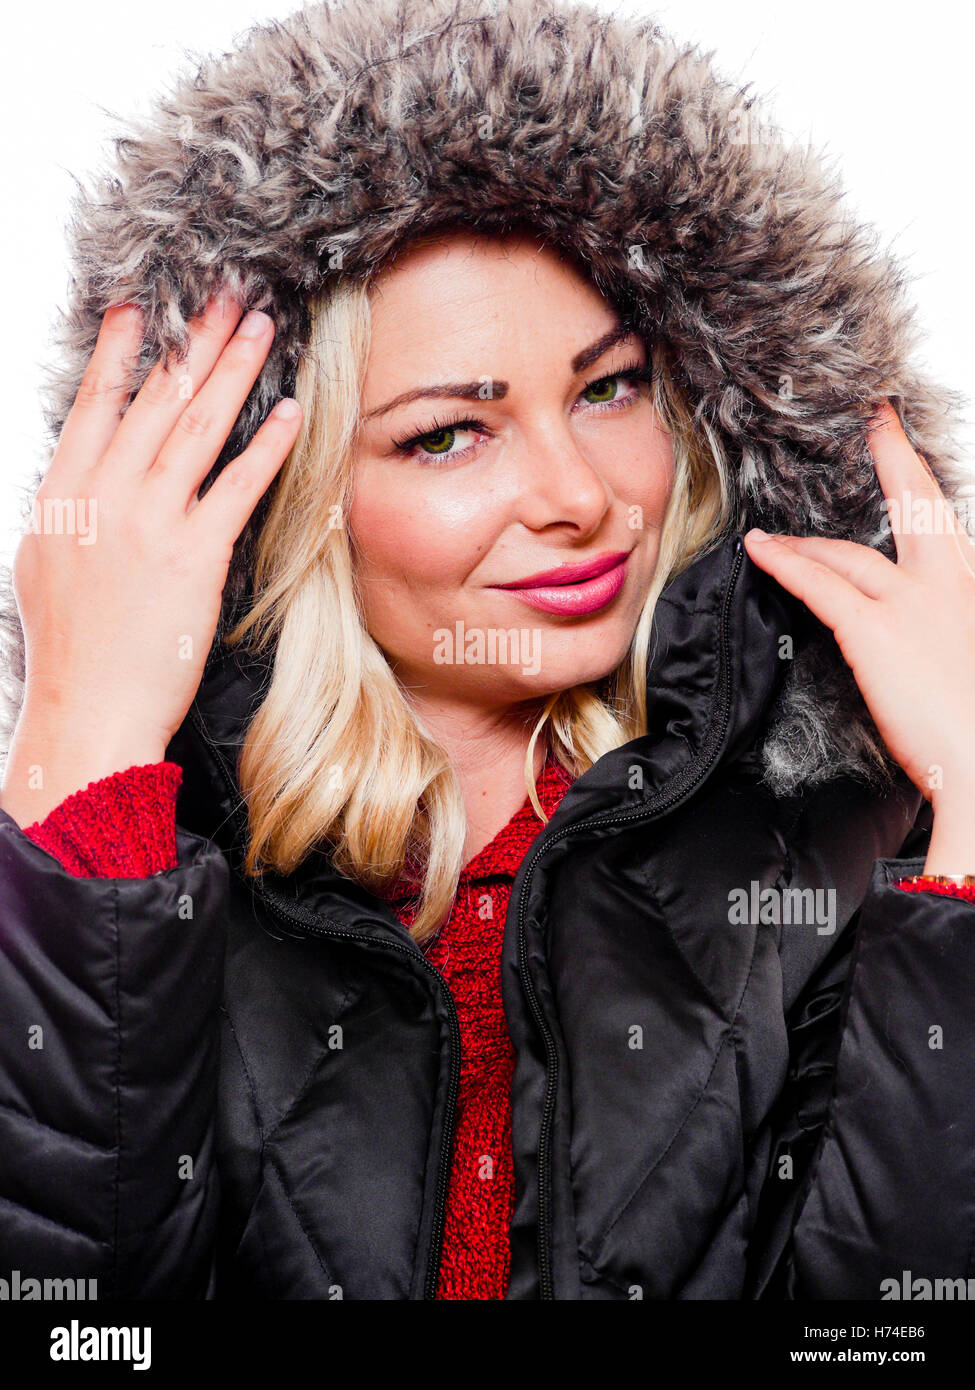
(416, 532)
(641, 477)
(659, 483)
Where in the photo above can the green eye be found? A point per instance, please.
(438, 441)
(602, 390)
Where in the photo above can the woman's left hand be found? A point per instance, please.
(907, 630)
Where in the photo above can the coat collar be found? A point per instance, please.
(712, 679)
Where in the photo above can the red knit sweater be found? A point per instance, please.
(124, 826)
(467, 952)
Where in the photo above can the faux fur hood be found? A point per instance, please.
(322, 142)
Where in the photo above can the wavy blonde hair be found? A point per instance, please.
(336, 753)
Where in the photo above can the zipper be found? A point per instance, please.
(683, 785)
(320, 926)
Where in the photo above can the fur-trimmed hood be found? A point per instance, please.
(323, 141)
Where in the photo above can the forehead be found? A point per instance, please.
(471, 296)
(463, 258)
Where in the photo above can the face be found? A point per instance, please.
(507, 433)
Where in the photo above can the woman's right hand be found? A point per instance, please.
(118, 622)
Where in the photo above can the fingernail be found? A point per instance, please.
(286, 409)
(218, 304)
(254, 324)
(757, 534)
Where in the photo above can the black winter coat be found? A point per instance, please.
(250, 1093)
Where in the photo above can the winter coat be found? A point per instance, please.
(248, 1088)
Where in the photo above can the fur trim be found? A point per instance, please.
(322, 142)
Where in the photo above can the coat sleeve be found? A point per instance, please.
(109, 998)
(871, 1179)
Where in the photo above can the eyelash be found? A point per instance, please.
(635, 371)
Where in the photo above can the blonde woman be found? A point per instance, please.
(445, 851)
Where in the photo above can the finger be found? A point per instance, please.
(957, 517)
(965, 542)
(170, 385)
(96, 411)
(865, 568)
(827, 594)
(920, 516)
(202, 429)
(225, 508)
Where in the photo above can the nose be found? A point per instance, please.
(557, 483)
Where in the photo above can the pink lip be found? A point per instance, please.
(585, 595)
(569, 574)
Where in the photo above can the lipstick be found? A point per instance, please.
(573, 589)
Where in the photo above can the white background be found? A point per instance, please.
(885, 91)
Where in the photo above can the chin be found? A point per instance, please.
(526, 662)
(556, 677)
(565, 668)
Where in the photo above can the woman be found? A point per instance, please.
(386, 915)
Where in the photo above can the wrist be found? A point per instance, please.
(951, 848)
(49, 760)
(957, 790)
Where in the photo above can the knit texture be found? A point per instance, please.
(467, 952)
(926, 884)
(122, 826)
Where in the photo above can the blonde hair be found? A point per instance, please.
(336, 754)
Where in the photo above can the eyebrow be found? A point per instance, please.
(471, 390)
